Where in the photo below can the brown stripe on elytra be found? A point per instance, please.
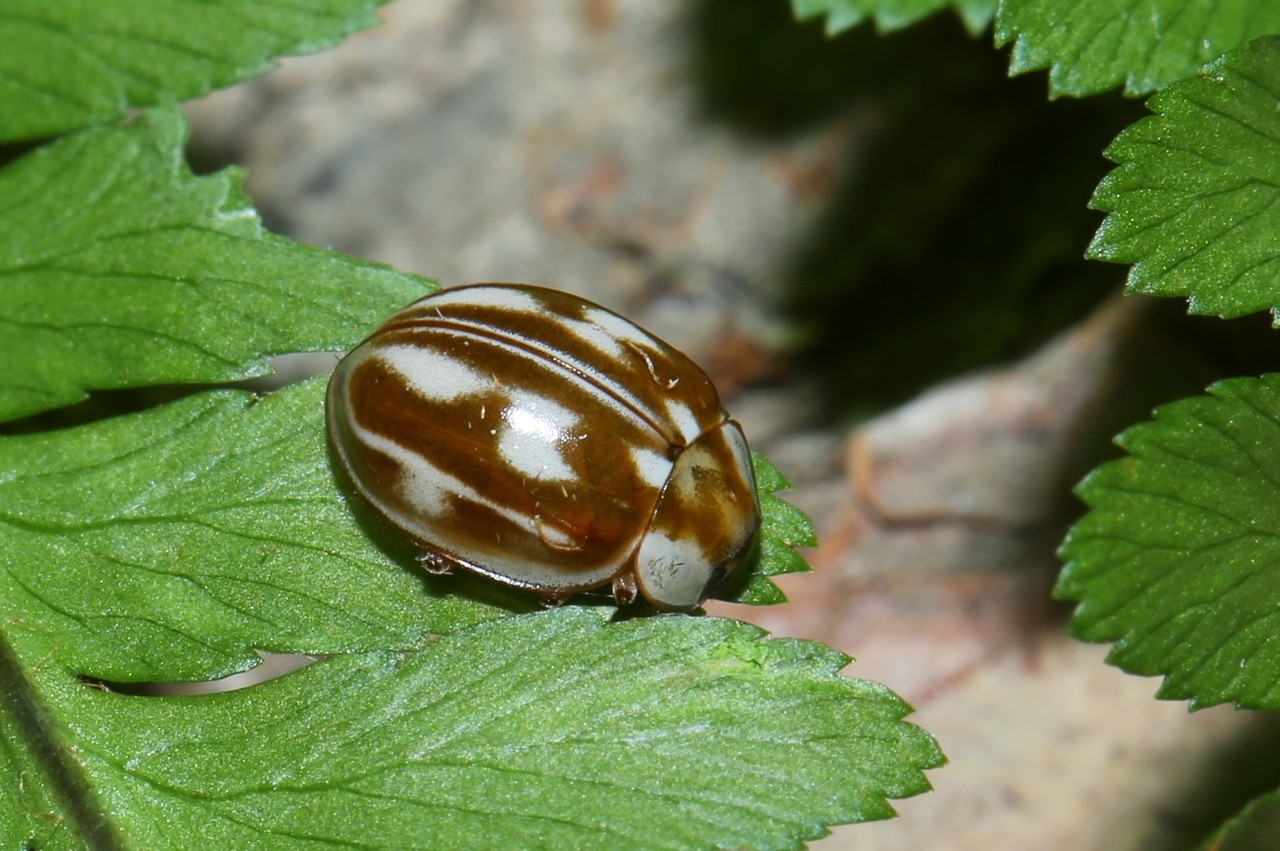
(653, 372)
(603, 512)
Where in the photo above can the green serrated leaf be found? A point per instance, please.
(891, 14)
(759, 590)
(171, 544)
(1178, 560)
(1195, 202)
(73, 63)
(783, 527)
(768, 477)
(783, 522)
(118, 268)
(787, 524)
(976, 14)
(1090, 46)
(555, 730)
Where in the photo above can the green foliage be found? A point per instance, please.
(72, 63)
(1195, 203)
(556, 729)
(783, 528)
(178, 541)
(1172, 563)
(1176, 561)
(1090, 46)
(157, 276)
(892, 14)
(171, 544)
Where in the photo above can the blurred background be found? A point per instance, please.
(873, 244)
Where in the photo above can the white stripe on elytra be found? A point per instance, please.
(432, 374)
(653, 467)
(508, 298)
(618, 328)
(602, 331)
(535, 435)
(685, 421)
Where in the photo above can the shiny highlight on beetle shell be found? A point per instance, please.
(539, 439)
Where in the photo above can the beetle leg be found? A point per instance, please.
(552, 599)
(436, 564)
(624, 588)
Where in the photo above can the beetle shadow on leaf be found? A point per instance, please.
(400, 550)
(461, 583)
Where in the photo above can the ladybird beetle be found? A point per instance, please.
(536, 438)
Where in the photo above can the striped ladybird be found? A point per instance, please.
(543, 441)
